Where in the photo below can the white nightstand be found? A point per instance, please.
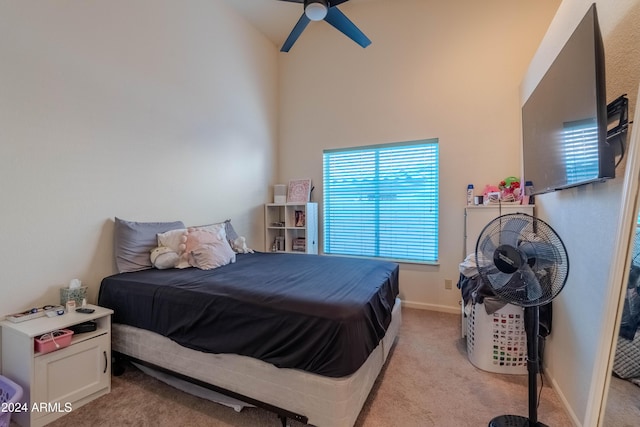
(58, 382)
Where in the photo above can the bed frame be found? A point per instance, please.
(289, 393)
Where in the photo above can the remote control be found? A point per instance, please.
(85, 310)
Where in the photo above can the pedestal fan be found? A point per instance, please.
(524, 262)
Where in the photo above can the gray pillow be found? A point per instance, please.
(229, 230)
(135, 240)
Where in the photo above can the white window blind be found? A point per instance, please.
(382, 201)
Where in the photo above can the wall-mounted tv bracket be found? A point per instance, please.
(618, 124)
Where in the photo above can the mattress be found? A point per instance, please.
(325, 401)
(320, 314)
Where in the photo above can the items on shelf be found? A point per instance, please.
(469, 194)
(286, 223)
(299, 244)
(508, 191)
(278, 244)
(299, 191)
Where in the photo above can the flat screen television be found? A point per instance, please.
(564, 120)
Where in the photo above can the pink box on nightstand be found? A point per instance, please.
(53, 340)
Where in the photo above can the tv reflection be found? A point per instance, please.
(580, 150)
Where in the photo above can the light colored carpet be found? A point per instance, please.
(428, 381)
(623, 404)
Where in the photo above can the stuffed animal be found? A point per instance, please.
(239, 245)
(176, 241)
(163, 258)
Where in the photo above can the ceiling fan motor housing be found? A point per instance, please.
(316, 10)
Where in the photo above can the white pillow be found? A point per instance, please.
(218, 229)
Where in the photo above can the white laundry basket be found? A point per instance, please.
(497, 342)
(10, 394)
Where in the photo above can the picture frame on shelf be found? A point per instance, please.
(299, 218)
(299, 191)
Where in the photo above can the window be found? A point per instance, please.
(382, 201)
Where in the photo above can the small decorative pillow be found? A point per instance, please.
(237, 243)
(176, 241)
(230, 232)
(214, 228)
(207, 250)
(163, 258)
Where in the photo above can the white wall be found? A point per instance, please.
(586, 217)
(148, 110)
(447, 70)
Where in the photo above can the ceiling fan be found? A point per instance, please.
(318, 10)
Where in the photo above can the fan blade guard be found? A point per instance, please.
(498, 279)
(511, 231)
(522, 260)
(534, 290)
(543, 254)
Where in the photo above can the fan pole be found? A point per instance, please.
(532, 326)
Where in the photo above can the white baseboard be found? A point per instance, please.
(565, 403)
(432, 307)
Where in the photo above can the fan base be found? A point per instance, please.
(513, 421)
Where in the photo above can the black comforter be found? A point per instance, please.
(316, 313)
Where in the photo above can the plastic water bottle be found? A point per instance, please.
(469, 194)
(528, 192)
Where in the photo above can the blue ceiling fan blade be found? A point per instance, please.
(295, 33)
(339, 20)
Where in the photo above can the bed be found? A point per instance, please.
(304, 336)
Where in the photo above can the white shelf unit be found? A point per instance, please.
(61, 380)
(476, 217)
(283, 234)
